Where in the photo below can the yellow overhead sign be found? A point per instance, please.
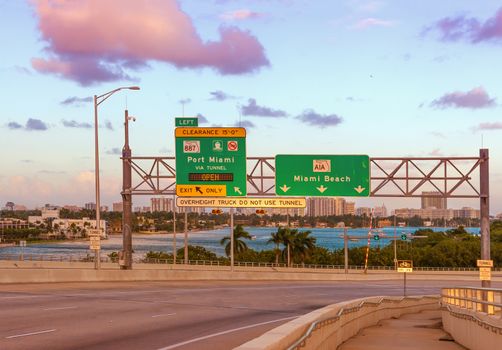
(243, 202)
(201, 190)
(210, 132)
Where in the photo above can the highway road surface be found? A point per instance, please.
(169, 315)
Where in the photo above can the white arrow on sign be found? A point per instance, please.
(322, 188)
(237, 190)
(285, 188)
(359, 189)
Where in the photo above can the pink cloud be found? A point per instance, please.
(239, 15)
(489, 126)
(372, 22)
(88, 44)
(474, 99)
(436, 152)
(471, 29)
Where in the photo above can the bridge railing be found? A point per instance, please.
(221, 262)
(487, 300)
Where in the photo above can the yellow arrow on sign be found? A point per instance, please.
(359, 189)
(285, 188)
(322, 188)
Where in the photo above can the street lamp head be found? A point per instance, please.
(133, 88)
(132, 118)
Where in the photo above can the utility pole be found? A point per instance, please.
(346, 249)
(186, 237)
(126, 198)
(174, 229)
(395, 242)
(231, 239)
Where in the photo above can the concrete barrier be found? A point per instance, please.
(474, 330)
(332, 325)
(50, 271)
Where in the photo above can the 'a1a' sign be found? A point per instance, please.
(322, 175)
(210, 162)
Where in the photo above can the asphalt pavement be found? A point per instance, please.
(169, 315)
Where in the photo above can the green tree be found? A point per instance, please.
(302, 245)
(239, 244)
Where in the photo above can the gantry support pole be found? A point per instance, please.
(126, 258)
(484, 208)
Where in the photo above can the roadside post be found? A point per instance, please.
(95, 243)
(22, 244)
(485, 274)
(404, 266)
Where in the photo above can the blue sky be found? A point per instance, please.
(383, 78)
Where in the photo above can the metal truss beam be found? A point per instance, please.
(450, 177)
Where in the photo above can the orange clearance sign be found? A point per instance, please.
(210, 132)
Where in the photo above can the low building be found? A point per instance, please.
(118, 207)
(72, 208)
(433, 213)
(12, 223)
(78, 228)
(50, 213)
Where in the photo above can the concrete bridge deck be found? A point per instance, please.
(419, 331)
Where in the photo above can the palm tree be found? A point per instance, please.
(73, 229)
(288, 237)
(277, 238)
(303, 245)
(239, 234)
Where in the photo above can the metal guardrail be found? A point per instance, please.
(316, 325)
(138, 260)
(486, 300)
(52, 257)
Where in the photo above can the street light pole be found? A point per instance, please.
(97, 101)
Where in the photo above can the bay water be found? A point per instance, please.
(330, 238)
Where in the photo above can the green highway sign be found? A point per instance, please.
(186, 121)
(322, 175)
(210, 162)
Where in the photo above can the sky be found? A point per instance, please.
(382, 78)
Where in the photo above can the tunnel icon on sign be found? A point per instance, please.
(217, 146)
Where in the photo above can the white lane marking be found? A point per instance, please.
(174, 313)
(32, 333)
(225, 332)
(60, 308)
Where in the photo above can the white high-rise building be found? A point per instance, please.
(161, 204)
(380, 212)
(433, 200)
